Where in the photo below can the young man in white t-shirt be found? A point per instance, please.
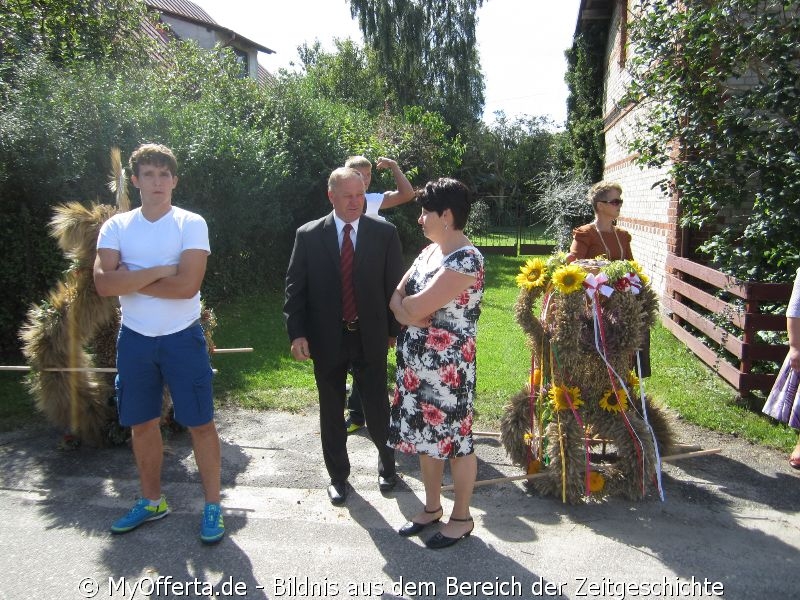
(375, 201)
(154, 258)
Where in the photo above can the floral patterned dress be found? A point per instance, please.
(432, 407)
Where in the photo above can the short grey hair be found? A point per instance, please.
(341, 174)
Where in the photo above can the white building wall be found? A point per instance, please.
(205, 37)
(208, 38)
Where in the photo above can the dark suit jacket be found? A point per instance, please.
(313, 304)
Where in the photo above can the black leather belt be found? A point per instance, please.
(350, 325)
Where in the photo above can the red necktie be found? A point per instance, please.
(349, 312)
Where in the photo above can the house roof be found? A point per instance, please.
(593, 10)
(182, 8)
(189, 11)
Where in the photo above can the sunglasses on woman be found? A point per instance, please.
(615, 201)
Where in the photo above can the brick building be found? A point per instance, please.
(649, 214)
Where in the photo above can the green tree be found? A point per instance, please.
(585, 61)
(428, 54)
(503, 159)
(254, 161)
(349, 74)
(70, 30)
(718, 81)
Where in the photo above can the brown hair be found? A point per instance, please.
(153, 154)
(441, 194)
(358, 162)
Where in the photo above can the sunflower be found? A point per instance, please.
(633, 380)
(569, 279)
(561, 396)
(614, 402)
(532, 274)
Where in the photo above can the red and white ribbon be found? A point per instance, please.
(595, 284)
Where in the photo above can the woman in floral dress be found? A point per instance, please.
(438, 302)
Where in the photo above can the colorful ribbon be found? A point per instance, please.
(649, 428)
(600, 344)
(595, 284)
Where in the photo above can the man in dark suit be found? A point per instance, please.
(340, 329)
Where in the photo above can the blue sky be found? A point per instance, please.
(521, 43)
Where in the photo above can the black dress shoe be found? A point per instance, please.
(337, 492)
(413, 528)
(439, 541)
(386, 484)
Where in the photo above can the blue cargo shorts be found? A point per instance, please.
(179, 360)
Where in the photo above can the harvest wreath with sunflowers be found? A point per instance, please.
(584, 392)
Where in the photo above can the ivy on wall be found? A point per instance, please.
(585, 71)
(721, 79)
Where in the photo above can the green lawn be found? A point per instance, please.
(507, 236)
(269, 378)
(687, 386)
(504, 360)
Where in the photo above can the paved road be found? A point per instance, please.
(729, 524)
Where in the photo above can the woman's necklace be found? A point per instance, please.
(608, 252)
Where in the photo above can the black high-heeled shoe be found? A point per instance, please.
(439, 541)
(413, 528)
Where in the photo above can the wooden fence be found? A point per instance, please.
(693, 296)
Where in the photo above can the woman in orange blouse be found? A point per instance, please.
(601, 236)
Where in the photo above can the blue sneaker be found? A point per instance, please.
(141, 512)
(213, 527)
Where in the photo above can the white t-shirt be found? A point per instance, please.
(374, 201)
(142, 245)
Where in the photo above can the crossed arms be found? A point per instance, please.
(418, 308)
(181, 281)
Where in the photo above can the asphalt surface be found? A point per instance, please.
(728, 527)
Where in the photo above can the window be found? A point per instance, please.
(244, 60)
